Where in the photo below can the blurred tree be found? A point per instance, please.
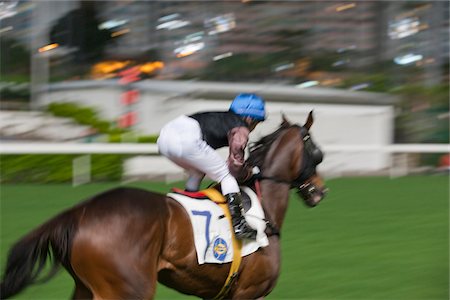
(14, 58)
(239, 67)
(290, 41)
(375, 82)
(324, 62)
(422, 114)
(152, 55)
(80, 29)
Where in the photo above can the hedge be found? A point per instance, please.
(57, 168)
(88, 116)
(82, 115)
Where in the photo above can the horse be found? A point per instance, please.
(120, 243)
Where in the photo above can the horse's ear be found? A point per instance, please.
(309, 121)
(284, 120)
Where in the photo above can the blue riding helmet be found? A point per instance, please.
(249, 105)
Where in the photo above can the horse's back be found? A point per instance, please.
(123, 201)
(121, 212)
(120, 235)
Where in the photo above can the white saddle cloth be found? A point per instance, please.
(212, 230)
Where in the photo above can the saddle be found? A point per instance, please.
(200, 195)
(219, 199)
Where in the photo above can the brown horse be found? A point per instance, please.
(118, 244)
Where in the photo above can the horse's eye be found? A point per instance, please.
(317, 156)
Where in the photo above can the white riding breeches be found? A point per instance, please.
(181, 141)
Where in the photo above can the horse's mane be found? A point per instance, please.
(259, 149)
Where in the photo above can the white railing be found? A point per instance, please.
(394, 148)
(398, 166)
(49, 148)
(58, 148)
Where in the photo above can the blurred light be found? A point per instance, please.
(443, 116)
(220, 24)
(150, 67)
(190, 44)
(112, 24)
(197, 36)
(222, 56)
(170, 25)
(189, 49)
(48, 47)
(120, 32)
(407, 59)
(403, 28)
(307, 84)
(168, 17)
(345, 7)
(344, 49)
(360, 86)
(107, 69)
(283, 67)
(5, 29)
(340, 62)
(7, 9)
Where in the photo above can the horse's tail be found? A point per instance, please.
(27, 258)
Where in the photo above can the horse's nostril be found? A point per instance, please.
(317, 199)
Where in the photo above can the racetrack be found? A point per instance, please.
(371, 238)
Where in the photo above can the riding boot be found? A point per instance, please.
(241, 228)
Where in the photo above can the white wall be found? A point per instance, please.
(334, 124)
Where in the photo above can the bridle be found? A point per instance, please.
(312, 156)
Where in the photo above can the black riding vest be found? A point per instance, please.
(215, 126)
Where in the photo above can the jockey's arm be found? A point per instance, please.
(237, 141)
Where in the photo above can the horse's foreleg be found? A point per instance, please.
(81, 292)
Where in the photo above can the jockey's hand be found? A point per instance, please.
(252, 174)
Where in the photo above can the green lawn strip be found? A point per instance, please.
(371, 238)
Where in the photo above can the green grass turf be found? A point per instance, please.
(372, 238)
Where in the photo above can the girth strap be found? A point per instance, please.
(237, 246)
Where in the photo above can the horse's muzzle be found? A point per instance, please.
(311, 194)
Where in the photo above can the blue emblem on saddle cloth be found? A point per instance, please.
(220, 249)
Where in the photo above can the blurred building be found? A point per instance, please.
(28, 20)
(418, 34)
(188, 35)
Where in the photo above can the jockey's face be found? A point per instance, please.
(251, 123)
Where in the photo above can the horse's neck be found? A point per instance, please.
(275, 201)
(281, 161)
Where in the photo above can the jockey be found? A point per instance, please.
(190, 142)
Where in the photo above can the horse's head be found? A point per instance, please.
(309, 184)
(289, 155)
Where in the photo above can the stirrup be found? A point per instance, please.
(244, 232)
(240, 226)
